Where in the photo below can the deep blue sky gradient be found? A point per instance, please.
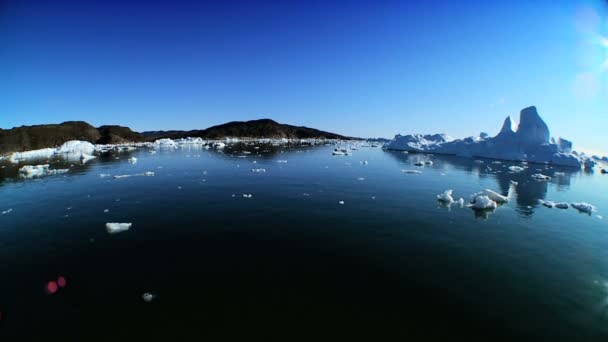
(373, 68)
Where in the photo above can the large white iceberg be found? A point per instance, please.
(531, 142)
(44, 153)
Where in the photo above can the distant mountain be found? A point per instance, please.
(263, 128)
(41, 136)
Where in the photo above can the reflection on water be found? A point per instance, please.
(526, 190)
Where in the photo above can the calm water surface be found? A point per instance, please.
(290, 262)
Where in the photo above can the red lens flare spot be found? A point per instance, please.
(61, 281)
(51, 287)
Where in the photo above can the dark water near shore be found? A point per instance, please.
(290, 262)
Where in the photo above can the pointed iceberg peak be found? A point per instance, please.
(506, 126)
(532, 129)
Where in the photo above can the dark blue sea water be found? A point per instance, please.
(291, 262)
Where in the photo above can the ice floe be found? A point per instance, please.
(541, 177)
(31, 171)
(148, 297)
(341, 202)
(7, 211)
(492, 195)
(145, 174)
(113, 227)
(446, 197)
(516, 168)
(583, 207)
(258, 170)
(411, 171)
(247, 195)
(132, 160)
(44, 153)
(482, 202)
(551, 204)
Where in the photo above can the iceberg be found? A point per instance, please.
(44, 153)
(113, 227)
(165, 143)
(531, 142)
(77, 147)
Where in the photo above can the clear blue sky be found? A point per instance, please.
(373, 68)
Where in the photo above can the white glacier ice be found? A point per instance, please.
(583, 207)
(113, 227)
(482, 202)
(44, 153)
(530, 143)
(492, 195)
(446, 197)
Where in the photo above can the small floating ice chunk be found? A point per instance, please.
(482, 202)
(412, 171)
(149, 173)
(114, 228)
(341, 202)
(516, 168)
(583, 207)
(103, 175)
(419, 164)
(446, 197)
(429, 162)
(360, 179)
(258, 170)
(492, 195)
(148, 297)
(514, 183)
(460, 202)
(7, 211)
(132, 160)
(281, 161)
(106, 210)
(548, 204)
(247, 195)
(365, 162)
(30, 171)
(560, 173)
(562, 205)
(541, 177)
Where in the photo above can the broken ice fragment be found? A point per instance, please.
(114, 228)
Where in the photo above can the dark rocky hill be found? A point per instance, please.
(41, 136)
(263, 128)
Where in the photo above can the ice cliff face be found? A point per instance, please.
(531, 142)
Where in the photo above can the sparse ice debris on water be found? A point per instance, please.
(341, 202)
(247, 195)
(258, 170)
(365, 162)
(113, 227)
(132, 160)
(412, 171)
(7, 211)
